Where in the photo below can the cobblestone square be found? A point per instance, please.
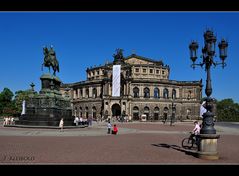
(136, 143)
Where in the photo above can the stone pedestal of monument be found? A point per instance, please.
(208, 146)
(49, 106)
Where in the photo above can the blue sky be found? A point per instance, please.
(84, 39)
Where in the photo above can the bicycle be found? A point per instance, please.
(190, 142)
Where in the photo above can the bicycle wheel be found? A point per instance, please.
(187, 143)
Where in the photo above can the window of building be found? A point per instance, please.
(163, 72)
(151, 71)
(146, 92)
(156, 92)
(146, 112)
(136, 92)
(98, 72)
(144, 70)
(137, 70)
(135, 113)
(157, 71)
(94, 112)
(165, 93)
(174, 94)
(156, 113)
(94, 92)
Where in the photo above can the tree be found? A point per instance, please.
(6, 103)
(227, 110)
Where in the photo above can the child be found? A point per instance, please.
(115, 129)
(109, 127)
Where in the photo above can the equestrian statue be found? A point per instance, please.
(50, 60)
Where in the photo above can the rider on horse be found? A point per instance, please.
(50, 59)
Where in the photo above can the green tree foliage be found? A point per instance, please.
(6, 103)
(227, 110)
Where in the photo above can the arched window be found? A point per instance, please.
(165, 93)
(94, 92)
(135, 113)
(136, 92)
(94, 112)
(146, 92)
(174, 94)
(156, 92)
(156, 113)
(146, 112)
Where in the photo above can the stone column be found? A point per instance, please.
(90, 92)
(78, 90)
(83, 91)
(74, 94)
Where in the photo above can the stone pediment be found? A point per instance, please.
(138, 60)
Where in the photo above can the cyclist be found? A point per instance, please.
(196, 131)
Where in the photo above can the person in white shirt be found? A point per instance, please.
(61, 125)
(12, 121)
(197, 128)
(109, 127)
(81, 121)
(196, 131)
(76, 121)
(5, 121)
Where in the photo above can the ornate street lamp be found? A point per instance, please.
(208, 52)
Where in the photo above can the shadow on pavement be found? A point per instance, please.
(178, 148)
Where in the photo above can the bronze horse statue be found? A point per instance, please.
(50, 59)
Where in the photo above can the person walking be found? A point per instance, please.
(109, 127)
(61, 125)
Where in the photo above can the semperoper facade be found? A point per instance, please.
(144, 88)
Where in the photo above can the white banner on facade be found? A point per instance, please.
(116, 81)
